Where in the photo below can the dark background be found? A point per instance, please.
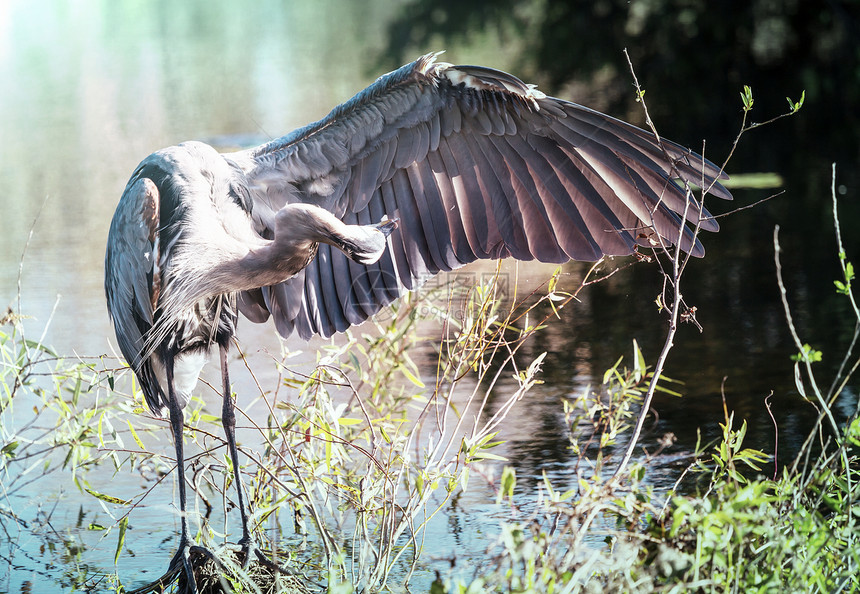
(693, 58)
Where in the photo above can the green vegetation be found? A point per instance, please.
(795, 533)
(348, 473)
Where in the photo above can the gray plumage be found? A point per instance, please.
(475, 164)
(471, 162)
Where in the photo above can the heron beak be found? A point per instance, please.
(386, 227)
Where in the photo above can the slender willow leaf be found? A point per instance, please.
(120, 540)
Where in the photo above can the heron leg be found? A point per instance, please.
(228, 419)
(176, 423)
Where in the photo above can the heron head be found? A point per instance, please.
(365, 244)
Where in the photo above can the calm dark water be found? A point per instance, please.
(90, 89)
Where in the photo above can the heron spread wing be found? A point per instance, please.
(475, 164)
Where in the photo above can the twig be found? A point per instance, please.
(679, 263)
(825, 407)
(747, 207)
(796, 338)
(837, 386)
(775, 434)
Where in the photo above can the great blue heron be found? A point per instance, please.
(472, 162)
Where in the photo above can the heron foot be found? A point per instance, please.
(182, 560)
(251, 551)
(187, 558)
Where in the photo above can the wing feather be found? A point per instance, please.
(475, 164)
(133, 278)
(477, 223)
(411, 268)
(439, 183)
(507, 214)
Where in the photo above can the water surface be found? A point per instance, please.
(92, 88)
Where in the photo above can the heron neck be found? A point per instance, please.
(265, 265)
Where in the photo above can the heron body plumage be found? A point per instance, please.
(430, 168)
(151, 247)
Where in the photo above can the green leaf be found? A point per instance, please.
(120, 540)
(410, 376)
(508, 482)
(639, 367)
(107, 498)
(40, 347)
(844, 288)
(798, 381)
(794, 106)
(464, 479)
(853, 432)
(8, 450)
(135, 436)
(487, 456)
(747, 98)
(807, 355)
(664, 390)
(612, 370)
(347, 421)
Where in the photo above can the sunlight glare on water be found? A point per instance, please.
(90, 88)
